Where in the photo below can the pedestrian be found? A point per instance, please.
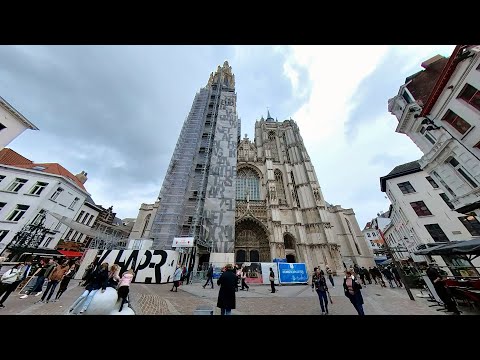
(389, 276)
(64, 283)
(238, 273)
(184, 274)
(353, 292)
(397, 277)
(439, 285)
(320, 285)
(244, 278)
(98, 280)
(37, 287)
(367, 275)
(189, 273)
(271, 277)
(124, 286)
(209, 276)
(373, 274)
(88, 272)
(226, 296)
(113, 276)
(330, 275)
(177, 275)
(53, 279)
(361, 272)
(9, 282)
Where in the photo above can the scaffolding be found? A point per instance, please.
(176, 214)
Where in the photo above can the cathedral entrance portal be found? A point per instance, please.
(290, 258)
(251, 242)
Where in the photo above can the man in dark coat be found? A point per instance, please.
(226, 295)
(209, 276)
(439, 285)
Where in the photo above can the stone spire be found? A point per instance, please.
(223, 74)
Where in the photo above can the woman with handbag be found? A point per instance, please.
(272, 280)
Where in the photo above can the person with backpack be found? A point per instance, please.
(320, 285)
(9, 283)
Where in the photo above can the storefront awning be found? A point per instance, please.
(70, 254)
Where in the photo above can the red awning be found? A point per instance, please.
(70, 254)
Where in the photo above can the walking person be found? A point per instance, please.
(64, 283)
(98, 280)
(367, 275)
(37, 288)
(271, 277)
(113, 276)
(389, 276)
(53, 279)
(9, 282)
(397, 277)
(320, 285)
(361, 272)
(353, 293)
(244, 278)
(189, 273)
(124, 287)
(439, 285)
(226, 295)
(209, 276)
(373, 275)
(177, 275)
(330, 275)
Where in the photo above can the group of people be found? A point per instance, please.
(52, 271)
(352, 289)
(99, 278)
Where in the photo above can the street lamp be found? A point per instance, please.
(31, 236)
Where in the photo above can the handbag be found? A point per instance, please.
(271, 278)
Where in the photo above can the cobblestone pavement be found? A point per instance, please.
(155, 299)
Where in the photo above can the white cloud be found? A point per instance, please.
(346, 168)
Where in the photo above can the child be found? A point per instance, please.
(124, 286)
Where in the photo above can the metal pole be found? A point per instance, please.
(395, 263)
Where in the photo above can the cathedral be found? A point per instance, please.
(247, 200)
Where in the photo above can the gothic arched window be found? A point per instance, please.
(282, 200)
(147, 220)
(248, 182)
(272, 138)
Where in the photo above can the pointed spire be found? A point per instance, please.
(269, 117)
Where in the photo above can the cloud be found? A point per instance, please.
(345, 125)
(116, 111)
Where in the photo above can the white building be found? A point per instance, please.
(12, 123)
(439, 109)
(372, 236)
(421, 213)
(28, 190)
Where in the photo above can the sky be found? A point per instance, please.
(116, 111)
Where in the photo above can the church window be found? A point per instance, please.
(247, 183)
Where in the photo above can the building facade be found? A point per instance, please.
(439, 109)
(12, 123)
(30, 191)
(373, 237)
(421, 213)
(247, 201)
(143, 223)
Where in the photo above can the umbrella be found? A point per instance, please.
(467, 247)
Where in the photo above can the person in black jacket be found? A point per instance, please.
(320, 284)
(353, 292)
(209, 276)
(439, 285)
(98, 280)
(226, 295)
(271, 277)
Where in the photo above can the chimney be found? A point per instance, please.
(82, 177)
(432, 60)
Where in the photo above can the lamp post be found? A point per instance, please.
(395, 263)
(31, 236)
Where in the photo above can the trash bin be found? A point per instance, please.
(203, 310)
